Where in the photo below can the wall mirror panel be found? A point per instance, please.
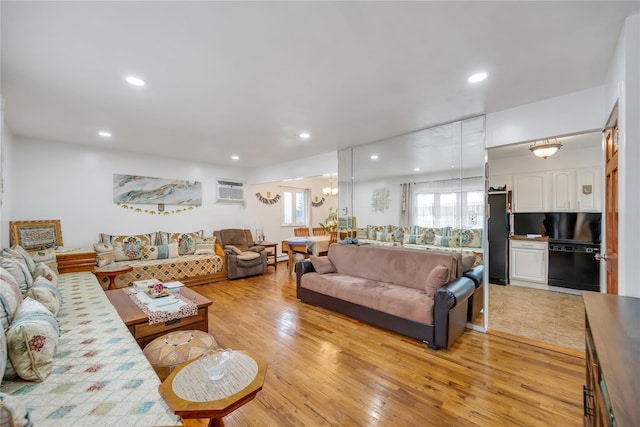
(428, 184)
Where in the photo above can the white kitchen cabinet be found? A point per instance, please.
(589, 189)
(563, 191)
(530, 192)
(528, 263)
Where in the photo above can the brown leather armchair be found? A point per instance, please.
(244, 256)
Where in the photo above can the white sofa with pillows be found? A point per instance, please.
(186, 257)
(67, 358)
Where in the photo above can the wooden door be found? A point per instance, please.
(611, 201)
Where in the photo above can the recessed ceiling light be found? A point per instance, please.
(136, 81)
(104, 134)
(478, 77)
(234, 157)
(416, 169)
(305, 135)
(374, 157)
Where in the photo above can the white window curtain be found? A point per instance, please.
(448, 203)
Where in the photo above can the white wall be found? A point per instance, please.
(576, 112)
(269, 217)
(624, 86)
(6, 150)
(74, 183)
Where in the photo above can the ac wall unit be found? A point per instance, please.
(229, 191)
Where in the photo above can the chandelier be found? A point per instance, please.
(330, 191)
(545, 148)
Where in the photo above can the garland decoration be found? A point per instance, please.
(155, 212)
(268, 200)
(317, 203)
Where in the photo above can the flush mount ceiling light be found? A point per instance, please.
(135, 81)
(478, 77)
(330, 191)
(235, 157)
(104, 134)
(545, 148)
(374, 157)
(416, 169)
(305, 135)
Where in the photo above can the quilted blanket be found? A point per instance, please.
(100, 375)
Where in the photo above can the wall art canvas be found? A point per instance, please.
(152, 191)
(35, 235)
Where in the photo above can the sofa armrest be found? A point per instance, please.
(303, 266)
(450, 311)
(476, 275)
(256, 248)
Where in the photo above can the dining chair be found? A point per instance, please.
(333, 238)
(318, 231)
(301, 231)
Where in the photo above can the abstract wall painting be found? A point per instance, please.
(146, 190)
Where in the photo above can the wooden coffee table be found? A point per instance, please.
(138, 322)
(191, 394)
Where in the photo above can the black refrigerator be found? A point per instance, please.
(498, 236)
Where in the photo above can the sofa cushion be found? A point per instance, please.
(48, 256)
(471, 238)
(322, 264)
(19, 253)
(105, 254)
(234, 249)
(43, 270)
(151, 252)
(401, 301)
(468, 262)
(205, 246)
(46, 294)
(418, 239)
(438, 277)
(32, 341)
(400, 266)
(19, 270)
(248, 256)
(3, 361)
(10, 298)
(237, 237)
(128, 247)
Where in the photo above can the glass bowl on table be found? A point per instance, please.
(215, 362)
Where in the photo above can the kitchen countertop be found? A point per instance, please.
(534, 239)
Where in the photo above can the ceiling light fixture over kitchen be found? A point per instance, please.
(545, 148)
(135, 81)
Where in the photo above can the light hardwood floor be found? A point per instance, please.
(328, 369)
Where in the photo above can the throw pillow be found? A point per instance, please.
(48, 256)
(105, 254)
(417, 239)
(127, 248)
(10, 298)
(186, 241)
(234, 249)
(18, 252)
(322, 264)
(45, 293)
(206, 246)
(438, 277)
(20, 272)
(43, 270)
(478, 261)
(13, 412)
(172, 250)
(3, 360)
(150, 252)
(467, 262)
(32, 341)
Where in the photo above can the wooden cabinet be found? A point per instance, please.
(528, 262)
(76, 260)
(589, 189)
(530, 192)
(612, 387)
(563, 191)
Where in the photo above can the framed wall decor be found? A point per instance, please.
(146, 190)
(34, 235)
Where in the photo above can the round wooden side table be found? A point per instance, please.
(111, 271)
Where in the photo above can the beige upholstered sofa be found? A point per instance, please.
(92, 374)
(417, 293)
(185, 257)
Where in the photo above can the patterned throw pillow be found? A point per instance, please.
(429, 235)
(48, 256)
(416, 239)
(13, 411)
(20, 272)
(43, 270)
(155, 252)
(173, 250)
(32, 341)
(186, 242)
(105, 254)
(3, 368)
(206, 246)
(470, 238)
(10, 298)
(45, 293)
(127, 248)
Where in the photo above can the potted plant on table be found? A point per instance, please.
(331, 223)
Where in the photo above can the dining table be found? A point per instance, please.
(306, 245)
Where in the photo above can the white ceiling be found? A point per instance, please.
(246, 78)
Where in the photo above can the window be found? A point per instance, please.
(437, 204)
(294, 206)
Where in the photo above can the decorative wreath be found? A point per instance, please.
(318, 203)
(267, 200)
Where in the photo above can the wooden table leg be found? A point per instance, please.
(290, 262)
(216, 422)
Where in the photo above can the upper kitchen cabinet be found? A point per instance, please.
(589, 189)
(530, 192)
(563, 191)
